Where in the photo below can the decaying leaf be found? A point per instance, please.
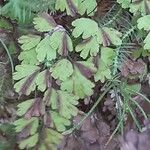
(135, 141)
(133, 67)
(93, 135)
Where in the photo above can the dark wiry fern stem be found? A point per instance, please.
(120, 53)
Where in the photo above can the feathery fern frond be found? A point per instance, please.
(23, 10)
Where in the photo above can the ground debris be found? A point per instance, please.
(93, 134)
(137, 141)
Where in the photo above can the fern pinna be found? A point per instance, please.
(54, 80)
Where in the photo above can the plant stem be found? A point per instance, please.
(117, 128)
(141, 109)
(144, 97)
(119, 108)
(9, 56)
(134, 118)
(89, 113)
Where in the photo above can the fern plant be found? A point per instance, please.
(55, 72)
(44, 72)
(23, 10)
(57, 90)
(123, 92)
